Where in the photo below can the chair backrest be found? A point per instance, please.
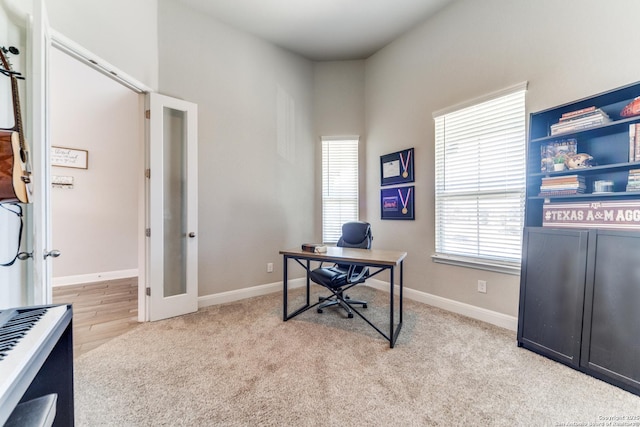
(356, 234)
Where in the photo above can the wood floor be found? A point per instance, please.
(101, 311)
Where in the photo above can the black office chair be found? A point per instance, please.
(342, 277)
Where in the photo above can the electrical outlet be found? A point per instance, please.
(482, 286)
(269, 267)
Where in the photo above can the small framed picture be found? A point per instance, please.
(69, 157)
(397, 203)
(396, 168)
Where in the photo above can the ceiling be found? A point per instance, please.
(323, 30)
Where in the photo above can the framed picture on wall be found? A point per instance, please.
(69, 157)
(397, 168)
(397, 203)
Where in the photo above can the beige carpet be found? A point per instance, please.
(239, 364)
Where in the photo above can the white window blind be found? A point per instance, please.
(480, 179)
(339, 185)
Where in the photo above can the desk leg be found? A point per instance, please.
(391, 303)
(401, 286)
(393, 336)
(284, 287)
(308, 282)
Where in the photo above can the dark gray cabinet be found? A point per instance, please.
(552, 292)
(579, 301)
(611, 336)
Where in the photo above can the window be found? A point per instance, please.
(480, 181)
(339, 185)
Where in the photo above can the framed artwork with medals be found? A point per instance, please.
(397, 203)
(397, 168)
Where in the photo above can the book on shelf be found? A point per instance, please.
(565, 185)
(633, 180)
(634, 142)
(561, 192)
(596, 118)
(563, 178)
(579, 112)
(317, 248)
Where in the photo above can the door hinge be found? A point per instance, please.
(147, 114)
(147, 232)
(148, 292)
(147, 173)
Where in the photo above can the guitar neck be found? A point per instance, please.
(17, 111)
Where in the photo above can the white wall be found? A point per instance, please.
(95, 223)
(256, 145)
(565, 50)
(338, 110)
(122, 32)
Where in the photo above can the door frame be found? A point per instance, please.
(83, 55)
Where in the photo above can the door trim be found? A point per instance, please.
(71, 48)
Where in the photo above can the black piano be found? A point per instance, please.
(36, 366)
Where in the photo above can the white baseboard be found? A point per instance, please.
(468, 310)
(94, 277)
(255, 291)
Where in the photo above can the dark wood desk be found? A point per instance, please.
(372, 258)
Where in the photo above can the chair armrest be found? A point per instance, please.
(352, 277)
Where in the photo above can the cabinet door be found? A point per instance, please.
(610, 343)
(552, 286)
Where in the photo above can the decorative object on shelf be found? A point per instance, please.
(554, 154)
(397, 168)
(602, 186)
(584, 118)
(613, 215)
(578, 161)
(69, 157)
(397, 203)
(632, 108)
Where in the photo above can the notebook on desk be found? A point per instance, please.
(317, 248)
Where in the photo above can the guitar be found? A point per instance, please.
(15, 166)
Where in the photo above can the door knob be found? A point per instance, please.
(192, 234)
(54, 253)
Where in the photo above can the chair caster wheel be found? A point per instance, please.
(319, 310)
(364, 305)
(350, 315)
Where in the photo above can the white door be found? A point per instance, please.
(172, 244)
(40, 225)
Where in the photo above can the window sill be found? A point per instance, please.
(505, 268)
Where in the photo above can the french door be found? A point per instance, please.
(172, 207)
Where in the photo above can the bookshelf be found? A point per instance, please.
(607, 143)
(579, 283)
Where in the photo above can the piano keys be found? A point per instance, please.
(36, 360)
